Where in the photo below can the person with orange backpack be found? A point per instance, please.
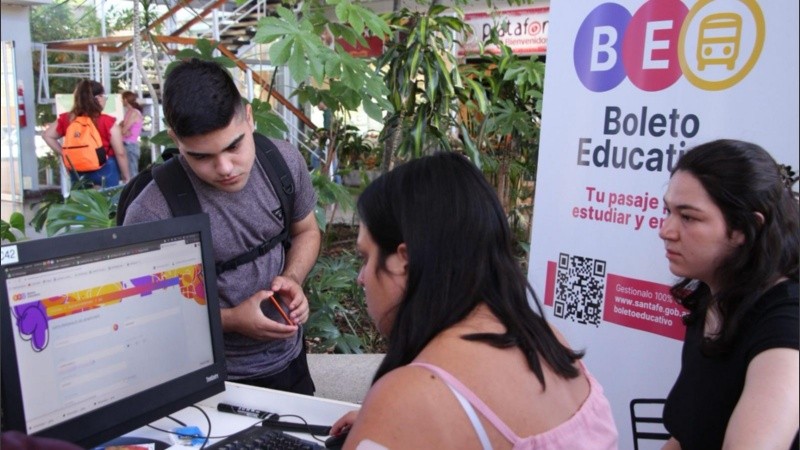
(92, 145)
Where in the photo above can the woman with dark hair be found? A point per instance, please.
(732, 234)
(89, 101)
(469, 364)
(131, 129)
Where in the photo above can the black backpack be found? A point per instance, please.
(174, 184)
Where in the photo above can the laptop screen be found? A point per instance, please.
(96, 323)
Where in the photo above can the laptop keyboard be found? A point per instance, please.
(261, 438)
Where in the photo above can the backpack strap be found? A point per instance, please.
(279, 175)
(172, 181)
(137, 184)
(174, 184)
(130, 192)
(176, 187)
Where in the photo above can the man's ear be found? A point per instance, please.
(248, 115)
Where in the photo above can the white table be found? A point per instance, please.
(317, 411)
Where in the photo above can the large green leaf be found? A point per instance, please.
(436, 9)
(322, 218)
(281, 51)
(7, 229)
(344, 32)
(373, 110)
(205, 47)
(297, 63)
(17, 221)
(270, 124)
(472, 150)
(163, 139)
(443, 69)
(331, 280)
(6, 235)
(478, 94)
(272, 28)
(85, 209)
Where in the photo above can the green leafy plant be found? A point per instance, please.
(42, 207)
(423, 81)
(329, 194)
(354, 149)
(337, 304)
(204, 50)
(327, 74)
(267, 122)
(52, 201)
(297, 43)
(502, 114)
(14, 229)
(83, 210)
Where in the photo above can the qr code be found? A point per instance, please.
(580, 285)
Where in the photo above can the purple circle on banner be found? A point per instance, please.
(598, 47)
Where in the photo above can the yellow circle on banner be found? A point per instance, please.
(717, 85)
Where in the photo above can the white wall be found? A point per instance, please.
(15, 26)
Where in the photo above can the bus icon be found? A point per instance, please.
(720, 36)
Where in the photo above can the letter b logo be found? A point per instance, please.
(714, 45)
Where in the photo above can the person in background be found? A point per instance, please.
(469, 364)
(213, 129)
(732, 235)
(131, 129)
(89, 100)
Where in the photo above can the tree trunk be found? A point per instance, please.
(330, 152)
(156, 62)
(392, 143)
(502, 183)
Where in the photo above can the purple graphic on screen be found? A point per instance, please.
(143, 281)
(32, 324)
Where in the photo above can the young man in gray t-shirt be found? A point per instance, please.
(213, 129)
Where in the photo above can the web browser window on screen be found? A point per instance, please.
(102, 326)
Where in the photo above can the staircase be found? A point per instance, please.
(236, 25)
(240, 24)
(233, 26)
(240, 33)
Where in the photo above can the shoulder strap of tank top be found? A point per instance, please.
(457, 386)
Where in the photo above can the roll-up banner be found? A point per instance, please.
(629, 87)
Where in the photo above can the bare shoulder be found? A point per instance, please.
(406, 408)
(406, 386)
(558, 334)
